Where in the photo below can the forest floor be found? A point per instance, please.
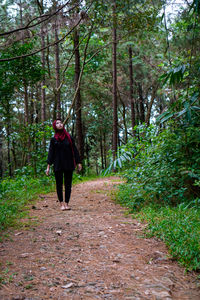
(93, 251)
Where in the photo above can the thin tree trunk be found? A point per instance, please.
(87, 154)
(105, 150)
(78, 106)
(26, 107)
(47, 58)
(148, 115)
(43, 83)
(14, 155)
(124, 118)
(26, 110)
(133, 119)
(101, 150)
(8, 137)
(1, 152)
(114, 66)
(57, 71)
(142, 115)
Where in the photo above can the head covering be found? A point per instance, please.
(60, 134)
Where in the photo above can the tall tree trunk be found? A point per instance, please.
(78, 107)
(26, 109)
(133, 121)
(31, 108)
(8, 150)
(8, 136)
(14, 155)
(43, 83)
(25, 85)
(1, 152)
(148, 115)
(141, 98)
(114, 66)
(101, 150)
(87, 154)
(57, 71)
(105, 150)
(124, 118)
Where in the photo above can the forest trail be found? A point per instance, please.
(93, 251)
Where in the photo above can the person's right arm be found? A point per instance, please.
(48, 169)
(50, 158)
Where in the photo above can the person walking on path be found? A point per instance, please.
(64, 156)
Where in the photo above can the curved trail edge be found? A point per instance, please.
(93, 251)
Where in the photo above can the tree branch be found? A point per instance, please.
(79, 80)
(41, 49)
(27, 26)
(67, 65)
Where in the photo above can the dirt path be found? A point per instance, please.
(91, 252)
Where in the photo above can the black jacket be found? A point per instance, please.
(61, 155)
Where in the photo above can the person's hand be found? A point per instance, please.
(47, 170)
(79, 166)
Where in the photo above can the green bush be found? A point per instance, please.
(162, 187)
(165, 167)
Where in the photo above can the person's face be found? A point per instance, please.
(59, 125)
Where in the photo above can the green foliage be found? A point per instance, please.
(174, 75)
(16, 194)
(15, 73)
(179, 228)
(163, 187)
(165, 167)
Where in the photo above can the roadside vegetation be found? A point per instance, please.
(19, 193)
(162, 187)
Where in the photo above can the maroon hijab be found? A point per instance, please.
(59, 135)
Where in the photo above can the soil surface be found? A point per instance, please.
(93, 251)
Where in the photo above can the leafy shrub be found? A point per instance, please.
(165, 167)
(162, 187)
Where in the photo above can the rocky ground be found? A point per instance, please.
(93, 251)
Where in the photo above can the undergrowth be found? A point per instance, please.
(162, 176)
(17, 193)
(178, 227)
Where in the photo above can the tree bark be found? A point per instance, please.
(8, 127)
(148, 115)
(114, 66)
(43, 83)
(78, 106)
(141, 98)
(124, 118)
(105, 150)
(1, 152)
(57, 71)
(133, 118)
(101, 150)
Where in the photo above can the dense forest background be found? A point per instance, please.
(124, 76)
(105, 66)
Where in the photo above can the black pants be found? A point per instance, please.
(59, 184)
